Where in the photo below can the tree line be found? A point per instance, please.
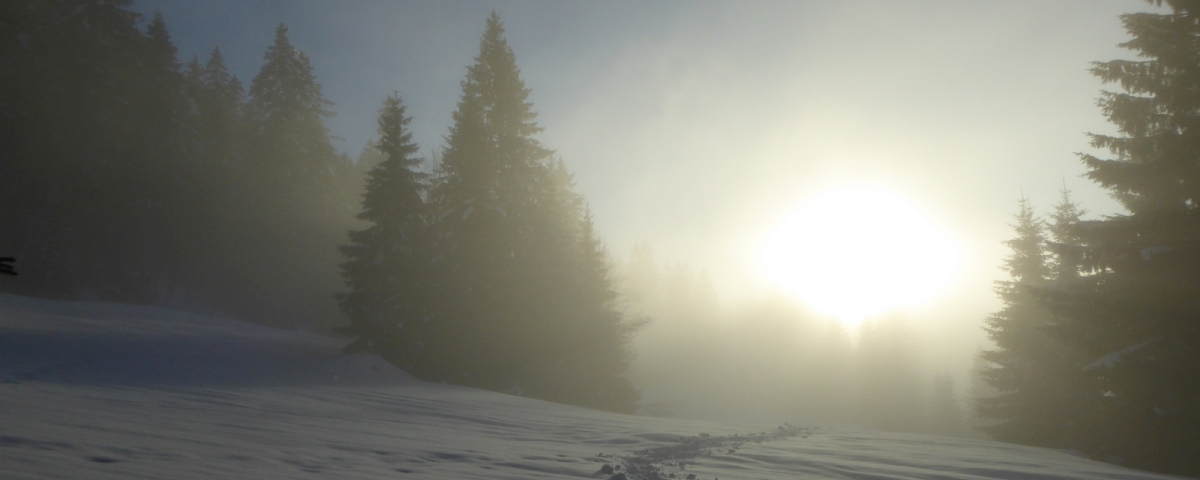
(128, 176)
(1097, 346)
(769, 359)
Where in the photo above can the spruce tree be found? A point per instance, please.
(1066, 246)
(290, 144)
(1037, 379)
(291, 211)
(596, 349)
(1136, 312)
(219, 103)
(164, 224)
(87, 134)
(387, 263)
(507, 232)
(209, 249)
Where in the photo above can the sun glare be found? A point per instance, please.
(855, 252)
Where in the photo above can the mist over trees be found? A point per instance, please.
(771, 360)
(1036, 375)
(1099, 345)
(128, 177)
(387, 267)
(488, 273)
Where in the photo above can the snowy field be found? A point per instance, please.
(95, 390)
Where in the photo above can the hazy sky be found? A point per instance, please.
(696, 126)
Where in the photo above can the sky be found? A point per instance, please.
(697, 126)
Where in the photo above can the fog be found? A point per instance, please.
(693, 128)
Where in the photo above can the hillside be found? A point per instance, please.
(97, 390)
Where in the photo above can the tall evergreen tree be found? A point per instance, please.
(596, 345)
(291, 212)
(163, 223)
(88, 130)
(210, 246)
(219, 104)
(1066, 246)
(508, 231)
(1037, 378)
(387, 264)
(289, 143)
(1136, 314)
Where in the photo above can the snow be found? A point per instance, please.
(95, 390)
(1116, 357)
(1149, 253)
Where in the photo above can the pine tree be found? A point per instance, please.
(291, 210)
(87, 135)
(162, 225)
(597, 350)
(1037, 378)
(1135, 314)
(507, 236)
(289, 143)
(1154, 171)
(211, 220)
(1066, 246)
(219, 104)
(387, 265)
(1027, 262)
(979, 390)
(642, 278)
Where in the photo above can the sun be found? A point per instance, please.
(858, 251)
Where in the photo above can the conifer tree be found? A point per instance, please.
(292, 212)
(91, 133)
(219, 104)
(1036, 377)
(508, 230)
(293, 156)
(597, 348)
(387, 266)
(1066, 246)
(163, 224)
(1135, 313)
(208, 251)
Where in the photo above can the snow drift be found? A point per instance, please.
(97, 390)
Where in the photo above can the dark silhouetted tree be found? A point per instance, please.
(90, 127)
(508, 232)
(1065, 245)
(290, 206)
(1037, 378)
(594, 348)
(387, 267)
(1135, 313)
(211, 242)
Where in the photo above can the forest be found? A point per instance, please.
(130, 175)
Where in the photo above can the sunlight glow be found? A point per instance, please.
(858, 251)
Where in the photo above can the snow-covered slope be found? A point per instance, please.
(93, 390)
